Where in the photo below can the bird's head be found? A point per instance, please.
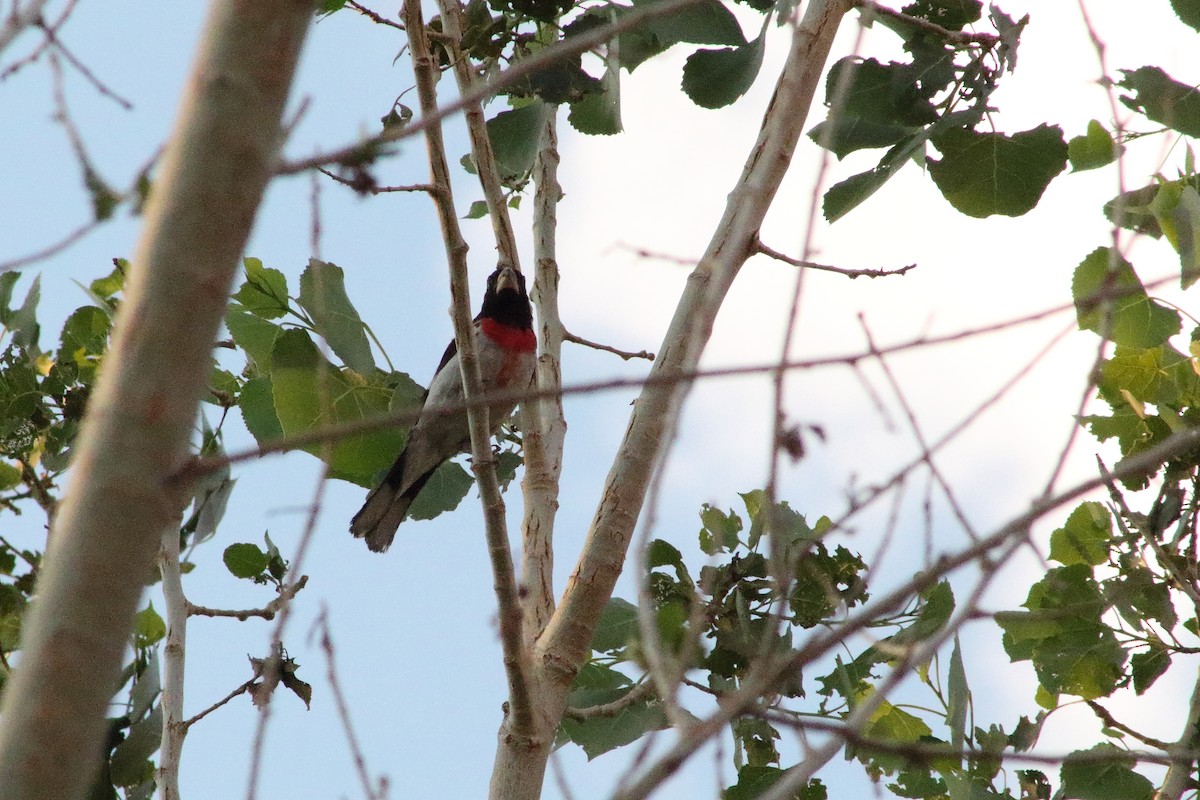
(506, 299)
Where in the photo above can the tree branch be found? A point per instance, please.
(851, 273)
(566, 640)
(516, 656)
(286, 594)
(174, 661)
(140, 415)
(624, 354)
(543, 424)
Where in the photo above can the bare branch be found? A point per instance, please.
(520, 719)
(174, 661)
(624, 354)
(851, 273)
(360, 762)
(286, 594)
(1111, 722)
(871, 8)
(242, 689)
(637, 694)
(374, 16)
(543, 423)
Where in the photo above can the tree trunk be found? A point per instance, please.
(140, 417)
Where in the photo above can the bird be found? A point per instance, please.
(505, 345)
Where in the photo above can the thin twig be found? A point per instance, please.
(268, 612)
(637, 694)
(1111, 722)
(624, 354)
(339, 700)
(374, 16)
(245, 687)
(956, 37)
(848, 272)
(99, 85)
(369, 188)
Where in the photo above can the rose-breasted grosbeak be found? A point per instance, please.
(505, 345)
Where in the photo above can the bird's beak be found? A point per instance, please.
(507, 281)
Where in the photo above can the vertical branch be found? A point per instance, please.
(174, 653)
(481, 143)
(139, 418)
(544, 426)
(516, 656)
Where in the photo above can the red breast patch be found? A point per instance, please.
(523, 340)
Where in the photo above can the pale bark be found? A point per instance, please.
(520, 765)
(141, 415)
(544, 425)
(174, 663)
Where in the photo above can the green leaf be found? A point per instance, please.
(720, 531)
(83, 340)
(596, 685)
(716, 78)
(1176, 207)
(265, 292)
(843, 135)
(113, 282)
(478, 210)
(1188, 12)
(10, 477)
(323, 295)
(148, 627)
(255, 335)
(958, 697)
(887, 94)
(617, 626)
(1132, 210)
(1148, 666)
(444, 491)
(753, 781)
(1106, 779)
(663, 554)
(257, 403)
(599, 113)
(704, 22)
(1084, 538)
(245, 560)
(1136, 320)
(23, 322)
(309, 393)
(1072, 650)
(1162, 99)
(130, 764)
(515, 135)
(982, 174)
(1094, 149)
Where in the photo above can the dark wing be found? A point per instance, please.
(451, 349)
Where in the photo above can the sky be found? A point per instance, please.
(417, 653)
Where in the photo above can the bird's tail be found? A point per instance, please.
(385, 508)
